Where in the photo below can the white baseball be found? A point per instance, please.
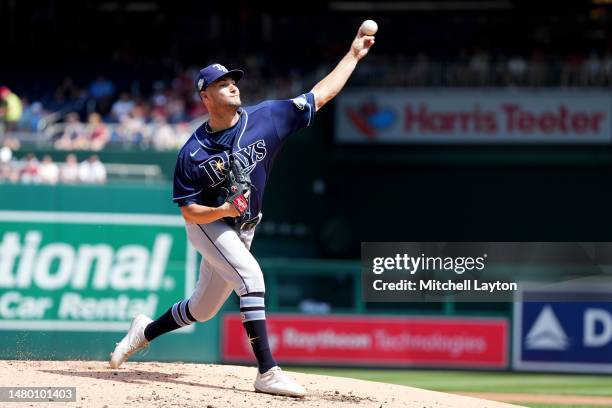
(369, 27)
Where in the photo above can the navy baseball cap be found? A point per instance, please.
(213, 72)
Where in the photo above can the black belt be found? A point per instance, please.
(245, 226)
(249, 225)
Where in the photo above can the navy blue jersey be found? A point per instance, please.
(202, 162)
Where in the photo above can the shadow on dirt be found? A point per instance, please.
(139, 377)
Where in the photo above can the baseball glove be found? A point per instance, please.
(237, 187)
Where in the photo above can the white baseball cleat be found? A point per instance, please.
(133, 341)
(274, 381)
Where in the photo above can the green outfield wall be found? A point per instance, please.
(77, 262)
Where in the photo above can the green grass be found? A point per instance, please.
(562, 406)
(476, 381)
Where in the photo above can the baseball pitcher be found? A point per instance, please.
(219, 183)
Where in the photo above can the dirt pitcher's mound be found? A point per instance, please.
(206, 385)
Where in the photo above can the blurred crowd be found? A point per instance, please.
(29, 170)
(162, 114)
(134, 129)
(480, 67)
(90, 119)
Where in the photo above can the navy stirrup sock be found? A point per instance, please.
(175, 317)
(253, 314)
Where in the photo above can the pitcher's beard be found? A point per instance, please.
(235, 103)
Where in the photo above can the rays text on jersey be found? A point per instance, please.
(249, 156)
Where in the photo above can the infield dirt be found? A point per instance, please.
(155, 384)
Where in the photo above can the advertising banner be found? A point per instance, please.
(574, 335)
(473, 116)
(68, 271)
(375, 340)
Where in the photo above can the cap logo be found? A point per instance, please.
(200, 83)
(220, 67)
